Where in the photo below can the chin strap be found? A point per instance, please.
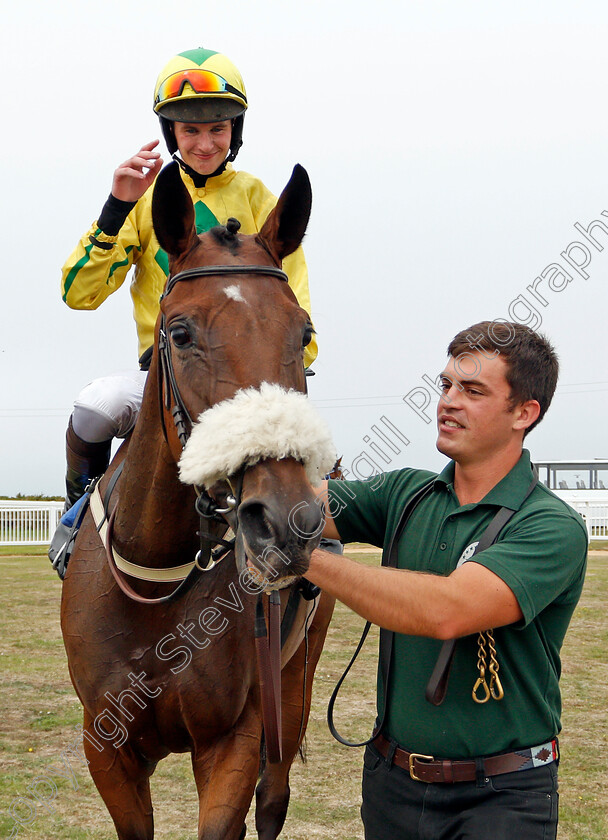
(200, 181)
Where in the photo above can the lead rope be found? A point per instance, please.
(389, 558)
(304, 677)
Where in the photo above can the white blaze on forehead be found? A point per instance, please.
(255, 424)
(234, 292)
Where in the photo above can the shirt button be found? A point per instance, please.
(443, 546)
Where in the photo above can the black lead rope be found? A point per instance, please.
(438, 683)
(389, 558)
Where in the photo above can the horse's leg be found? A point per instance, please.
(226, 771)
(272, 793)
(123, 781)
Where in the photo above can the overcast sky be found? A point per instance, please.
(452, 147)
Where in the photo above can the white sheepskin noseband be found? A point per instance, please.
(268, 422)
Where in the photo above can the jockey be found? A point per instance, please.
(201, 101)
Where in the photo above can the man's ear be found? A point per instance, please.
(526, 414)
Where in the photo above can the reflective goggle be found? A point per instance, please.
(201, 81)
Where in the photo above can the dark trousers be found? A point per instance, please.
(513, 806)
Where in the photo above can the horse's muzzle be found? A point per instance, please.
(276, 540)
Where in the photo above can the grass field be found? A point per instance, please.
(40, 714)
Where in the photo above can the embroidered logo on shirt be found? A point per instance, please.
(467, 553)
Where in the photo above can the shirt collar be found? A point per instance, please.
(509, 492)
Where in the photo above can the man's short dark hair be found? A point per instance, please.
(532, 363)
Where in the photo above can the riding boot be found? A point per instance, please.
(85, 461)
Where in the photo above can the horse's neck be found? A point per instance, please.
(155, 517)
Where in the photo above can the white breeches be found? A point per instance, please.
(107, 407)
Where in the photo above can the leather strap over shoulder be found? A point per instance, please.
(437, 685)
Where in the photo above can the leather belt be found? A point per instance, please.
(426, 768)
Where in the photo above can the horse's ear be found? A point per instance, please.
(285, 227)
(173, 212)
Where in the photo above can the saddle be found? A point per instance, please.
(64, 537)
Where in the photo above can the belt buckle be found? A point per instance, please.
(419, 757)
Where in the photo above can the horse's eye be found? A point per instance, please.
(307, 337)
(180, 336)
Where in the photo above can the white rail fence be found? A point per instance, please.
(595, 516)
(34, 523)
(28, 523)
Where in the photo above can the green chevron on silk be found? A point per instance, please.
(204, 218)
(162, 259)
(198, 56)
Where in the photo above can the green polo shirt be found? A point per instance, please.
(540, 554)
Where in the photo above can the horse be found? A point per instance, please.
(162, 665)
(337, 471)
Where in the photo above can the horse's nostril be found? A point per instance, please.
(307, 521)
(254, 520)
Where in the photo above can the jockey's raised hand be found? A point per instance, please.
(135, 175)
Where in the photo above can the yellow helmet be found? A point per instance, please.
(200, 86)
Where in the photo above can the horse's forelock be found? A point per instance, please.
(225, 235)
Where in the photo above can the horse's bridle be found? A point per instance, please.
(214, 270)
(268, 646)
(167, 380)
(206, 507)
(212, 548)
